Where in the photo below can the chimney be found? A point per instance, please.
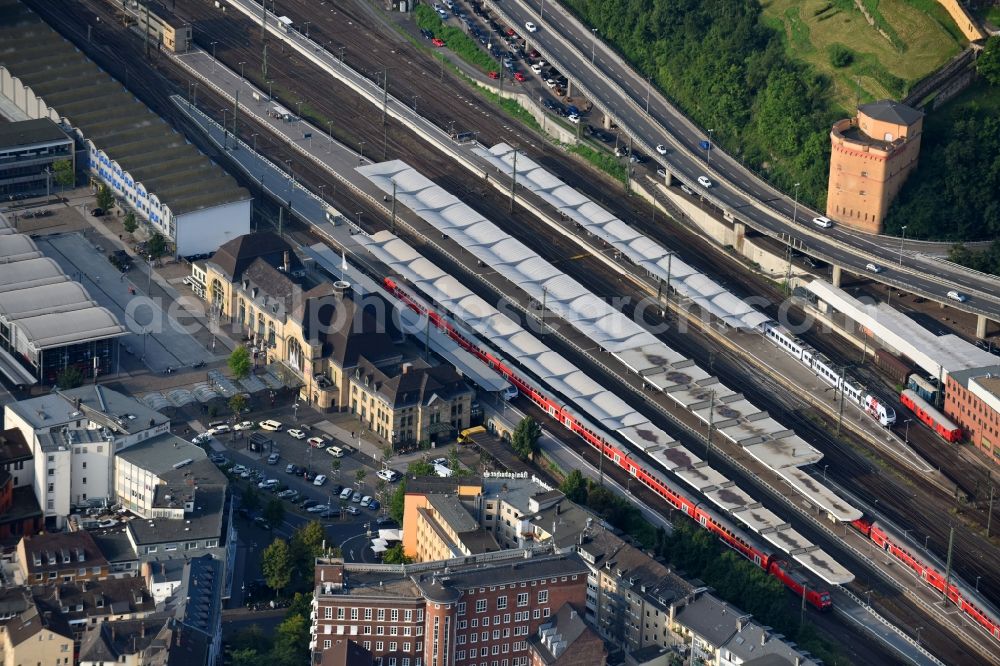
(406, 367)
(286, 261)
(763, 638)
(558, 508)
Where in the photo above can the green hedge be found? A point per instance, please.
(455, 39)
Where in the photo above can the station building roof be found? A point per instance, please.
(110, 116)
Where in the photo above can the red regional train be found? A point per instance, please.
(891, 543)
(793, 577)
(937, 421)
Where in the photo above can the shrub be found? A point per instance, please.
(840, 55)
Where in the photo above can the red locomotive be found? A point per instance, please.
(934, 419)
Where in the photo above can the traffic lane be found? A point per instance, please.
(724, 164)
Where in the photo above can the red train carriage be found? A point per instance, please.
(937, 421)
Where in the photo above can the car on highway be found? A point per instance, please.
(957, 296)
(319, 480)
(686, 190)
(661, 149)
(822, 221)
(874, 268)
(271, 425)
(273, 459)
(704, 181)
(519, 77)
(437, 41)
(243, 425)
(530, 27)
(295, 433)
(494, 75)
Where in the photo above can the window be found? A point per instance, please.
(522, 599)
(461, 609)
(340, 613)
(543, 596)
(368, 614)
(381, 615)
(328, 613)
(327, 644)
(354, 613)
(379, 646)
(408, 615)
(502, 602)
(480, 605)
(394, 615)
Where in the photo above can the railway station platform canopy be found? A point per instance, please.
(468, 365)
(937, 355)
(595, 408)
(661, 263)
(107, 114)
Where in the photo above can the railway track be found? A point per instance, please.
(356, 121)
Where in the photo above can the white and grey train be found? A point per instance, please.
(828, 372)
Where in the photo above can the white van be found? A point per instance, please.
(510, 393)
(336, 451)
(957, 296)
(346, 493)
(822, 221)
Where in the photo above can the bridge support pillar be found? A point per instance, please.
(607, 122)
(981, 326)
(836, 276)
(668, 180)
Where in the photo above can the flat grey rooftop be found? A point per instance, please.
(123, 127)
(30, 132)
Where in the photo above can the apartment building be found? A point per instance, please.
(470, 610)
(62, 557)
(73, 437)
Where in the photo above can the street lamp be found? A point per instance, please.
(361, 152)
(329, 131)
(906, 431)
(288, 163)
(977, 582)
(242, 62)
(708, 157)
(415, 103)
(919, 629)
(824, 472)
(795, 208)
(593, 45)
(213, 56)
(254, 137)
(902, 239)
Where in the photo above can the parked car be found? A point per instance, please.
(437, 41)
(268, 484)
(238, 469)
(332, 512)
(306, 504)
(243, 425)
(336, 451)
(374, 505)
(316, 442)
(316, 508)
(365, 500)
(575, 119)
(389, 475)
(319, 480)
(356, 497)
(353, 510)
(261, 523)
(519, 77)
(295, 433)
(203, 438)
(220, 429)
(97, 212)
(426, 33)
(271, 425)
(273, 459)
(494, 75)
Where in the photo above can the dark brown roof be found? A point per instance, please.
(235, 256)
(66, 547)
(348, 332)
(13, 447)
(34, 620)
(418, 386)
(94, 599)
(890, 111)
(29, 132)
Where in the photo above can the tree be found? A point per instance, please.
(291, 641)
(157, 246)
(988, 63)
(525, 440)
(274, 512)
(238, 403)
(420, 468)
(453, 462)
(276, 565)
(359, 476)
(307, 545)
(129, 224)
(840, 55)
(397, 502)
(105, 197)
(574, 486)
(395, 555)
(250, 499)
(335, 467)
(240, 362)
(69, 377)
(246, 657)
(63, 170)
